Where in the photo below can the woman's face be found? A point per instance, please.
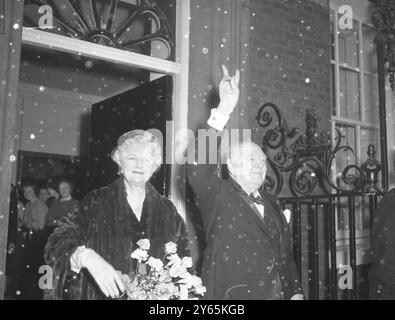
(29, 193)
(64, 190)
(43, 195)
(137, 161)
(53, 193)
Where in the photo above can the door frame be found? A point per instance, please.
(179, 70)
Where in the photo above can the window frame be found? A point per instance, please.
(342, 235)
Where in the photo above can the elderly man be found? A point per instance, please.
(97, 238)
(248, 245)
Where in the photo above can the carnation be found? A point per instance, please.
(156, 264)
(144, 244)
(170, 247)
(287, 214)
(187, 262)
(140, 255)
(177, 270)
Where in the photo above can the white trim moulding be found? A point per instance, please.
(88, 49)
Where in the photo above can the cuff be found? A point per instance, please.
(217, 120)
(76, 257)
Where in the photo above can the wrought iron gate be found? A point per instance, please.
(317, 203)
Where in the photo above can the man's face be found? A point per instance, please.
(64, 190)
(29, 194)
(137, 161)
(43, 195)
(248, 166)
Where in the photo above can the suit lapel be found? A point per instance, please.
(252, 210)
(270, 209)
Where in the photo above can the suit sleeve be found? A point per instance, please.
(203, 174)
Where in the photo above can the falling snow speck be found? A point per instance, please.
(205, 50)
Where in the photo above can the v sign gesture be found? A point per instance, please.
(228, 92)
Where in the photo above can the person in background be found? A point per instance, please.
(63, 205)
(53, 195)
(35, 211)
(43, 194)
(32, 225)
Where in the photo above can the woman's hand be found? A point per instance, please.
(228, 92)
(106, 277)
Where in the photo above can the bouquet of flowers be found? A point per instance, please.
(166, 279)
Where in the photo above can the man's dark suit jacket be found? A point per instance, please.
(382, 271)
(240, 261)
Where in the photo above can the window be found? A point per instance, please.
(354, 101)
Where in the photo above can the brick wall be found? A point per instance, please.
(289, 52)
(290, 66)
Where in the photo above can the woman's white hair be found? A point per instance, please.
(139, 136)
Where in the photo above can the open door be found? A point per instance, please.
(148, 106)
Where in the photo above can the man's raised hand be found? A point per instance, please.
(228, 91)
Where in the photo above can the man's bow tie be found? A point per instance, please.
(257, 199)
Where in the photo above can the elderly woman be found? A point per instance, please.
(96, 240)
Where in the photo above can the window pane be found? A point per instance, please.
(369, 49)
(371, 99)
(333, 88)
(347, 157)
(349, 95)
(348, 46)
(369, 136)
(332, 17)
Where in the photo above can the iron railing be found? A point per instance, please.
(301, 175)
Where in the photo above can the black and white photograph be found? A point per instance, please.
(203, 150)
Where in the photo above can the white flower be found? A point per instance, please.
(144, 244)
(287, 214)
(177, 270)
(140, 255)
(201, 290)
(183, 292)
(170, 247)
(196, 281)
(173, 259)
(187, 262)
(156, 264)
